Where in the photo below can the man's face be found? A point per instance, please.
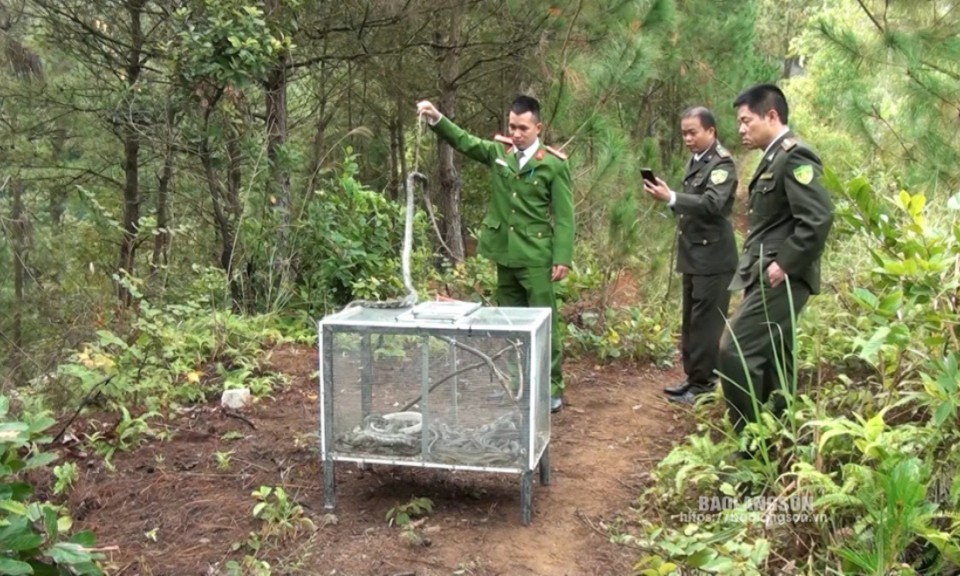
(697, 138)
(757, 131)
(524, 129)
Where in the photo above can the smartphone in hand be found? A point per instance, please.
(648, 175)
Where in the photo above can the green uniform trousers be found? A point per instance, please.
(763, 364)
(531, 287)
(706, 301)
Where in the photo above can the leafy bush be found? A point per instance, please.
(350, 246)
(873, 442)
(173, 353)
(631, 333)
(474, 279)
(33, 534)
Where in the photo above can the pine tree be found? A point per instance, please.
(889, 72)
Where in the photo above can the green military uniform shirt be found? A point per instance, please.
(789, 216)
(705, 241)
(518, 231)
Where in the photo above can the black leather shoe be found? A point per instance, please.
(685, 398)
(678, 389)
(556, 404)
(689, 397)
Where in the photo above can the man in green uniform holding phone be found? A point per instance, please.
(706, 249)
(529, 225)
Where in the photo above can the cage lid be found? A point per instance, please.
(446, 311)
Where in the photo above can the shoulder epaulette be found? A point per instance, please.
(503, 139)
(556, 152)
(722, 152)
(788, 143)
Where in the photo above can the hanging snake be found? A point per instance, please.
(411, 298)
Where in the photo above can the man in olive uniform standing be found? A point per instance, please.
(528, 228)
(706, 249)
(789, 217)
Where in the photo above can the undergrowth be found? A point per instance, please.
(860, 475)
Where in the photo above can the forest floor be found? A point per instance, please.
(168, 508)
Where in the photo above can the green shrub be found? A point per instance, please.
(350, 246)
(33, 534)
(173, 353)
(632, 333)
(873, 440)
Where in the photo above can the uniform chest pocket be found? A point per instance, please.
(694, 184)
(765, 198)
(533, 187)
(765, 186)
(504, 171)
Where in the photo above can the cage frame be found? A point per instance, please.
(342, 323)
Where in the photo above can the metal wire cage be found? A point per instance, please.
(441, 385)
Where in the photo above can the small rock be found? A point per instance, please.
(236, 398)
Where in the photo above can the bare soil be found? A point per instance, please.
(168, 509)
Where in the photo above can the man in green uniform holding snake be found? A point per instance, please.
(529, 224)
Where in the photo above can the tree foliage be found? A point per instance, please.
(886, 74)
(170, 168)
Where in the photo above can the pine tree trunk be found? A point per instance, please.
(230, 245)
(319, 148)
(226, 209)
(161, 242)
(398, 154)
(278, 184)
(131, 151)
(450, 183)
(19, 269)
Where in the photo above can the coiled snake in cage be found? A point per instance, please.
(489, 445)
(494, 444)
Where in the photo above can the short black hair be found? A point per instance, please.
(762, 98)
(701, 113)
(523, 104)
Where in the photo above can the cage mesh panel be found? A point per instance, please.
(542, 403)
(466, 419)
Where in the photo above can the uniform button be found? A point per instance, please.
(704, 242)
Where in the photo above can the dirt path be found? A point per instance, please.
(170, 510)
